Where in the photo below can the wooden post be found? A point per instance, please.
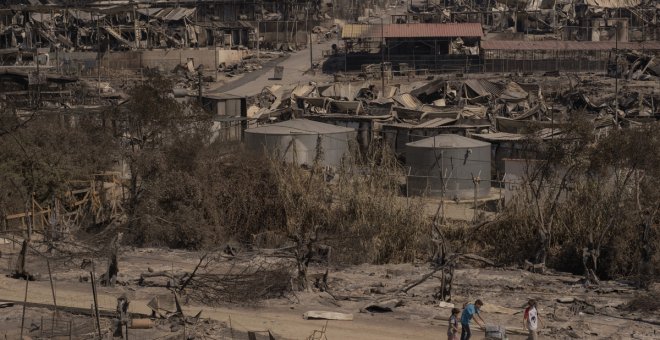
(96, 303)
(231, 329)
(27, 282)
(52, 288)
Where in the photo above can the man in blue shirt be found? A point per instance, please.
(468, 313)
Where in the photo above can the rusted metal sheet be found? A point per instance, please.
(613, 3)
(433, 30)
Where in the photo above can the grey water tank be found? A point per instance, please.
(449, 159)
(296, 141)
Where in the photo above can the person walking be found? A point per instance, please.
(471, 311)
(452, 331)
(531, 320)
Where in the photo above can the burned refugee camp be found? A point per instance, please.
(329, 169)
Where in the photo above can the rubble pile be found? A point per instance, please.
(482, 106)
(581, 20)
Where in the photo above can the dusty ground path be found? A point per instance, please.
(505, 291)
(283, 321)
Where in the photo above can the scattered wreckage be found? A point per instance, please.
(513, 105)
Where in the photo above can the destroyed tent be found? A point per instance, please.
(342, 91)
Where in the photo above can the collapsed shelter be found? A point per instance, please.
(553, 55)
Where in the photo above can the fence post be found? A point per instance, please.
(52, 288)
(96, 302)
(27, 281)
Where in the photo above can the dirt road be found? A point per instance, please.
(286, 322)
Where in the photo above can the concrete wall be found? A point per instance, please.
(167, 60)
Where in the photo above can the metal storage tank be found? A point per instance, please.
(459, 158)
(295, 141)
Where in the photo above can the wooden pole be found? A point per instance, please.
(27, 282)
(231, 329)
(96, 303)
(52, 288)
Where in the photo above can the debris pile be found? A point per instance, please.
(485, 107)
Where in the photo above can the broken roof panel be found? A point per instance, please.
(84, 15)
(444, 141)
(452, 30)
(148, 11)
(345, 106)
(498, 137)
(408, 101)
(613, 3)
(174, 14)
(347, 91)
(435, 123)
(43, 17)
(555, 45)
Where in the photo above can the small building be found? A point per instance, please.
(453, 46)
(448, 166)
(224, 104)
(297, 141)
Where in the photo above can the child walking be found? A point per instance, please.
(452, 331)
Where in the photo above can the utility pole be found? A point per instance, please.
(135, 28)
(96, 301)
(38, 103)
(215, 54)
(98, 55)
(258, 38)
(309, 34)
(382, 55)
(616, 74)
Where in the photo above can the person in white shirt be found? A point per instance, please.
(531, 320)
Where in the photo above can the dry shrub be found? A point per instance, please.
(213, 198)
(648, 302)
(217, 193)
(375, 224)
(244, 285)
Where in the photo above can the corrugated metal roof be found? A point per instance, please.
(433, 30)
(174, 14)
(299, 126)
(613, 3)
(447, 141)
(553, 45)
(84, 15)
(148, 11)
(498, 137)
(435, 123)
(452, 30)
(408, 101)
